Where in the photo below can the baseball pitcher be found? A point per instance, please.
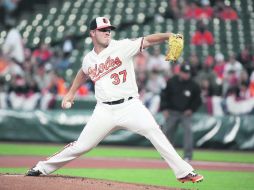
(110, 66)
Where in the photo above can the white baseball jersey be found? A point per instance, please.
(13, 46)
(112, 70)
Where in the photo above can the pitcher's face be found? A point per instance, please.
(102, 36)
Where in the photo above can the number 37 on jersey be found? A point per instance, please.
(119, 77)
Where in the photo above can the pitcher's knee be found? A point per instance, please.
(152, 130)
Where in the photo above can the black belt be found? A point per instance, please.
(117, 101)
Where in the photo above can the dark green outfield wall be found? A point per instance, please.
(234, 132)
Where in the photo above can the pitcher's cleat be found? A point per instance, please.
(33, 172)
(191, 177)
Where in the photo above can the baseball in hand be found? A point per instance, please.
(67, 105)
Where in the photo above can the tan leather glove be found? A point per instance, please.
(175, 47)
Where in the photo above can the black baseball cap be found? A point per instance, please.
(185, 68)
(100, 22)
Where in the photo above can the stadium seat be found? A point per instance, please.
(133, 18)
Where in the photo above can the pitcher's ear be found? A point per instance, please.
(92, 33)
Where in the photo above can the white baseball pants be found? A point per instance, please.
(131, 115)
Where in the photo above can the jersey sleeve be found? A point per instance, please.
(132, 46)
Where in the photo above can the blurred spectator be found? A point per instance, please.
(90, 85)
(206, 77)
(23, 95)
(233, 65)
(7, 9)
(15, 69)
(224, 12)
(57, 85)
(229, 81)
(151, 101)
(244, 90)
(219, 65)
(60, 61)
(52, 87)
(251, 84)
(195, 64)
(218, 6)
(29, 70)
(63, 64)
(232, 73)
(43, 77)
(32, 87)
(83, 90)
(155, 82)
(244, 77)
(206, 89)
(140, 61)
(141, 74)
(228, 13)
(18, 84)
(199, 10)
(67, 46)
(202, 36)
(157, 62)
(17, 91)
(179, 100)
(13, 45)
(192, 11)
(207, 10)
(236, 105)
(141, 78)
(172, 10)
(3, 64)
(33, 94)
(2, 11)
(245, 57)
(42, 54)
(61, 87)
(2, 87)
(175, 69)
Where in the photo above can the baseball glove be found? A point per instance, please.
(175, 47)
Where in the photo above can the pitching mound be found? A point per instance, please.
(56, 182)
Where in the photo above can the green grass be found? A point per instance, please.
(213, 179)
(124, 152)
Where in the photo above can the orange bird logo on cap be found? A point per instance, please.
(105, 20)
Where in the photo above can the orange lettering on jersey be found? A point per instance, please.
(102, 69)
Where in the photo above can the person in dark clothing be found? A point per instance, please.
(179, 100)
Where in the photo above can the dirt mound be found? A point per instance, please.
(56, 182)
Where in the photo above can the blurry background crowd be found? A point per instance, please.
(42, 44)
